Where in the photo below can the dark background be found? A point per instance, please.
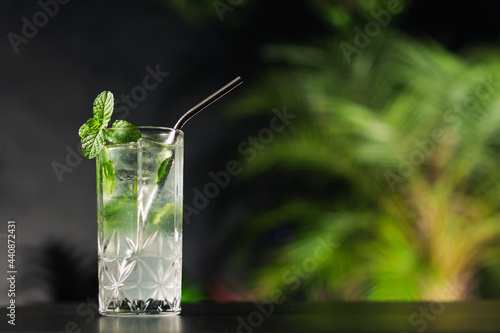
(47, 89)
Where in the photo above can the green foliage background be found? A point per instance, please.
(389, 172)
(394, 159)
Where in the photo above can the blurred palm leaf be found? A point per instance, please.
(408, 134)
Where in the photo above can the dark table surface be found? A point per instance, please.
(474, 316)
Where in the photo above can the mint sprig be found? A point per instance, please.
(93, 132)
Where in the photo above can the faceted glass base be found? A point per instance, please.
(139, 307)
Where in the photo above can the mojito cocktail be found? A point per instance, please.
(139, 197)
(139, 208)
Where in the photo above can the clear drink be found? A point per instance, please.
(139, 190)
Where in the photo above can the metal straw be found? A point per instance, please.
(183, 120)
(207, 101)
(201, 106)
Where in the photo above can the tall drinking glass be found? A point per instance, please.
(139, 201)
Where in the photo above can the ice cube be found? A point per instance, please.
(152, 154)
(124, 174)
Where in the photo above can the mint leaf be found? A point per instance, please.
(109, 170)
(116, 214)
(92, 123)
(123, 132)
(83, 130)
(92, 132)
(166, 213)
(92, 142)
(103, 107)
(163, 169)
(122, 123)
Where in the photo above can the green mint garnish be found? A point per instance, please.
(132, 133)
(93, 132)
